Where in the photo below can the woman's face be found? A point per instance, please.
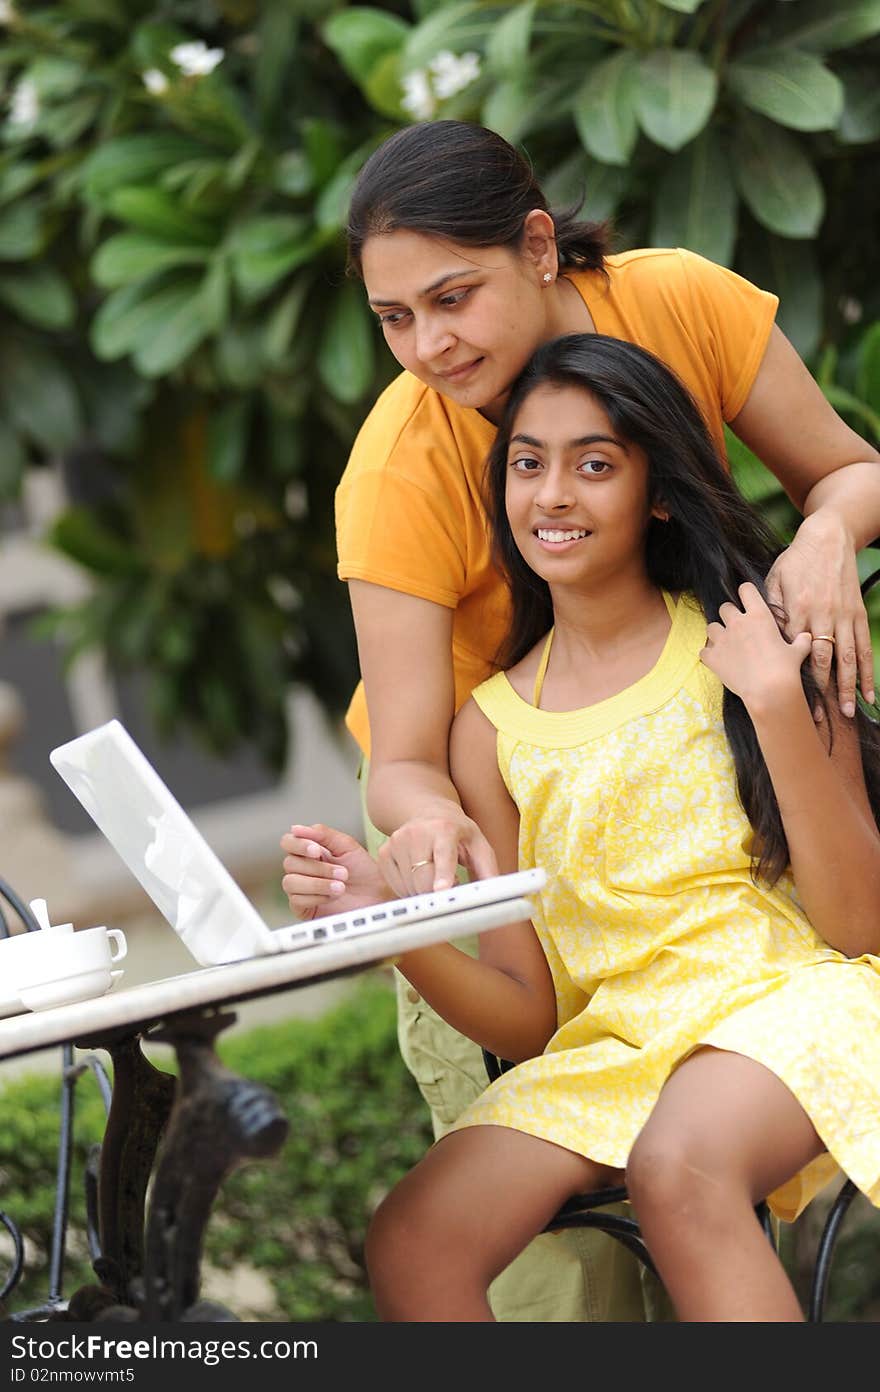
(577, 493)
(464, 320)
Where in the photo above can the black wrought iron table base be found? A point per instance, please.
(188, 1136)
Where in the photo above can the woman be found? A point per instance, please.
(469, 271)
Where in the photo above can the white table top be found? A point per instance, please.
(205, 986)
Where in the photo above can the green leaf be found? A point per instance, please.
(39, 396)
(507, 50)
(582, 179)
(40, 295)
(360, 36)
(214, 294)
(79, 534)
(793, 88)
(175, 328)
(132, 256)
(849, 404)
(827, 25)
(453, 26)
(384, 89)
(154, 210)
(860, 119)
(266, 248)
(346, 351)
(508, 109)
(228, 437)
(159, 325)
(12, 462)
(776, 179)
(21, 229)
(696, 203)
(605, 109)
(239, 354)
(868, 370)
(753, 479)
(136, 159)
(281, 323)
(682, 6)
(675, 95)
(791, 271)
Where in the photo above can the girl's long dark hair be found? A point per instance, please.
(464, 183)
(712, 542)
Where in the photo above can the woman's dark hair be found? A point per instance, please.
(462, 182)
(712, 542)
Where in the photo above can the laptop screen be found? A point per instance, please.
(129, 803)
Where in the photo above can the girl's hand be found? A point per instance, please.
(816, 583)
(425, 853)
(327, 871)
(746, 650)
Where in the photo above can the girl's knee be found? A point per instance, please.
(667, 1173)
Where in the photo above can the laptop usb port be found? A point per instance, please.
(318, 934)
(398, 913)
(378, 917)
(340, 927)
(358, 922)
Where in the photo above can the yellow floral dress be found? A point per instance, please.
(657, 938)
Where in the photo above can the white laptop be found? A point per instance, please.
(127, 800)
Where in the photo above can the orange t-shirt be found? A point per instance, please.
(408, 509)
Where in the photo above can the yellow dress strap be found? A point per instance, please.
(542, 671)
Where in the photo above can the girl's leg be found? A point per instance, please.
(462, 1215)
(724, 1134)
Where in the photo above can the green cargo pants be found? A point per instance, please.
(576, 1275)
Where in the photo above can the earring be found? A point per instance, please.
(547, 277)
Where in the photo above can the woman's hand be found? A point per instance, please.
(425, 853)
(816, 583)
(327, 871)
(746, 651)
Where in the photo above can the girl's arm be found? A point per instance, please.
(405, 650)
(505, 1001)
(831, 475)
(832, 838)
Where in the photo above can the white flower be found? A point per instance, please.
(453, 72)
(418, 99)
(24, 107)
(7, 13)
(155, 81)
(196, 59)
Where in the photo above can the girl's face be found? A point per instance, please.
(576, 492)
(464, 320)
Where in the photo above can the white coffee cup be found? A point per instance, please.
(56, 965)
(18, 947)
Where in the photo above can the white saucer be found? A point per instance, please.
(11, 1005)
(68, 989)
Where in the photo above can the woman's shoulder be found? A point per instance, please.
(410, 419)
(670, 272)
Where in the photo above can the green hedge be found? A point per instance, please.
(356, 1125)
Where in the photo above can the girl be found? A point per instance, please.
(677, 1017)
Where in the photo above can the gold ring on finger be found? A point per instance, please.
(823, 638)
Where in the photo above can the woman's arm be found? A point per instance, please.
(405, 650)
(833, 840)
(831, 475)
(505, 1001)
